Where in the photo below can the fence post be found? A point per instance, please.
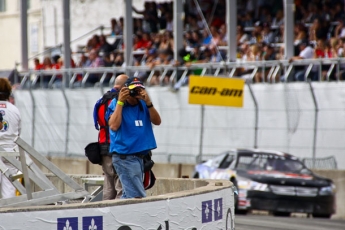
(315, 120)
(199, 158)
(67, 119)
(33, 115)
(256, 115)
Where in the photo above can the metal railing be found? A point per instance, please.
(278, 70)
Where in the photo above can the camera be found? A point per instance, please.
(133, 92)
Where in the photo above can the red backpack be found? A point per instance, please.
(103, 135)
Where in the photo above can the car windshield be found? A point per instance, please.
(267, 162)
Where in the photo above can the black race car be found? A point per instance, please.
(272, 181)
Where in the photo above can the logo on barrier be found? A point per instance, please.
(70, 223)
(208, 90)
(206, 208)
(218, 209)
(93, 223)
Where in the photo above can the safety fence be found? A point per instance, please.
(274, 71)
(305, 119)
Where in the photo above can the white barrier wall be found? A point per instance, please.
(212, 210)
(286, 119)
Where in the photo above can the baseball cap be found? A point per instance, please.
(134, 82)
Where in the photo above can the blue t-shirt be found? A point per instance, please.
(135, 134)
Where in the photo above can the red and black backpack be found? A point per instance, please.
(103, 135)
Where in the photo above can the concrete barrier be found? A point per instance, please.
(179, 203)
(83, 166)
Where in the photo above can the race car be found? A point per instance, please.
(271, 181)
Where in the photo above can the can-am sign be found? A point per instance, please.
(212, 210)
(208, 90)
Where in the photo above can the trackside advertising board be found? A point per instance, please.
(213, 210)
(222, 91)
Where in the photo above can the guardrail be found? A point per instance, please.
(280, 70)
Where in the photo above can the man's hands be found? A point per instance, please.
(144, 96)
(124, 94)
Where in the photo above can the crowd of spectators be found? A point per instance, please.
(319, 33)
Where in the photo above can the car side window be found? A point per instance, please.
(227, 162)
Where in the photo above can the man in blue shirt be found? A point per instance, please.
(130, 118)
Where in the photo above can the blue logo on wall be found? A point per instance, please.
(206, 208)
(70, 223)
(93, 223)
(218, 209)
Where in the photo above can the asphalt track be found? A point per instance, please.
(268, 222)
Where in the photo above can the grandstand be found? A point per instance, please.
(262, 57)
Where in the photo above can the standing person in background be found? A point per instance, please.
(10, 129)
(112, 187)
(130, 119)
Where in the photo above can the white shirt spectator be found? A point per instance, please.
(307, 53)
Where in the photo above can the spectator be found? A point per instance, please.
(38, 65)
(267, 34)
(306, 52)
(206, 38)
(129, 145)
(150, 15)
(318, 30)
(253, 53)
(300, 33)
(268, 54)
(142, 41)
(257, 33)
(169, 22)
(119, 59)
(115, 28)
(278, 20)
(241, 36)
(105, 48)
(94, 62)
(149, 59)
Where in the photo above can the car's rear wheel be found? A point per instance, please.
(326, 216)
(281, 213)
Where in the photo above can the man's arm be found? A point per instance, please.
(154, 115)
(115, 119)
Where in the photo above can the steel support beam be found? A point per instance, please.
(231, 21)
(289, 9)
(66, 40)
(178, 28)
(24, 34)
(128, 34)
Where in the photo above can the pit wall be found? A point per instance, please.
(173, 204)
(83, 166)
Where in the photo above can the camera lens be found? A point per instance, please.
(133, 93)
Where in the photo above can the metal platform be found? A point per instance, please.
(31, 173)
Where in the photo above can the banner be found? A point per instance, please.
(222, 91)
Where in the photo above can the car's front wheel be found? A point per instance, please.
(326, 216)
(196, 175)
(281, 214)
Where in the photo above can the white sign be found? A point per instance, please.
(34, 38)
(214, 210)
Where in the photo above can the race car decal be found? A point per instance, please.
(278, 174)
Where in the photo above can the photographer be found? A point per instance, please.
(131, 135)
